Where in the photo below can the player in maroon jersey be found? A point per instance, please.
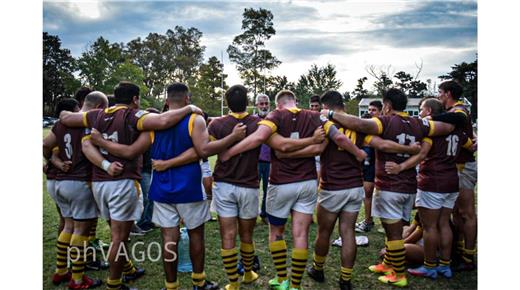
(341, 191)
(118, 197)
(395, 194)
(74, 197)
(292, 182)
(464, 213)
(438, 188)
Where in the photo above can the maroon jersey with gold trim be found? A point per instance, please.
(293, 123)
(51, 171)
(117, 124)
(465, 155)
(404, 130)
(242, 169)
(438, 171)
(339, 168)
(69, 144)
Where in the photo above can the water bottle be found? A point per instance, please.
(184, 265)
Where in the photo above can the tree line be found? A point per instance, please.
(177, 55)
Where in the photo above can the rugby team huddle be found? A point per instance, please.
(95, 160)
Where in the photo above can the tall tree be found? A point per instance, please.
(98, 63)
(412, 87)
(360, 92)
(466, 74)
(174, 56)
(247, 50)
(315, 82)
(210, 86)
(58, 72)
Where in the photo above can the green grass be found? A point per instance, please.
(154, 279)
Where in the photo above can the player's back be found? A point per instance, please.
(438, 171)
(296, 124)
(242, 169)
(404, 130)
(117, 124)
(69, 144)
(181, 184)
(339, 168)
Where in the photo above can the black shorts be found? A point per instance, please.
(369, 173)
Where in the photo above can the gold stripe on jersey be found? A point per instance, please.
(460, 111)
(239, 115)
(294, 110)
(85, 120)
(212, 138)
(326, 127)
(269, 124)
(152, 136)
(56, 148)
(432, 128)
(403, 114)
(379, 125)
(428, 140)
(368, 139)
(458, 103)
(468, 144)
(114, 108)
(191, 122)
(140, 122)
(352, 135)
(85, 138)
(460, 166)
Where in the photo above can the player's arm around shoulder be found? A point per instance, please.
(74, 119)
(394, 168)
(437, 128)
(201, 140)
(261, 134)
(94, 156)
(130, 152)
(368, 126)
(152, 121)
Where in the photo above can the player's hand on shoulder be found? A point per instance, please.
(279, 154)
(325, 112)
(392, 167)
(159, 165)
(196, 110)
(319, 135)
(95, 136)
(115, 168)
(239, 131)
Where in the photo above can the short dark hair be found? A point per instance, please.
(285, 94)
(377, 104)
(125, 91)
(111, 100)
(66, 104)
(236, 98)
(453, 87)
(81, 93)
(315, 99)
(332, 99)
(434, 104)
(397, 98)
(177, 91)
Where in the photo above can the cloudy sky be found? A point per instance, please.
(352, 35)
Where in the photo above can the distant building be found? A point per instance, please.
(412, 108)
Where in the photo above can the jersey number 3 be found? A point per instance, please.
(68, 147)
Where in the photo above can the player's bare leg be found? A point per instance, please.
(120, 230)
(347, 221)
(300, 234)
(465, 206)
(445, 242)
(326, 223)
(369, 191)
(430, 223)
(170, 237)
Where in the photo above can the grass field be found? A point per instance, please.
(154, 278)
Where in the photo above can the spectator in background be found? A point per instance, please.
(262, 103)
(369, 173)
